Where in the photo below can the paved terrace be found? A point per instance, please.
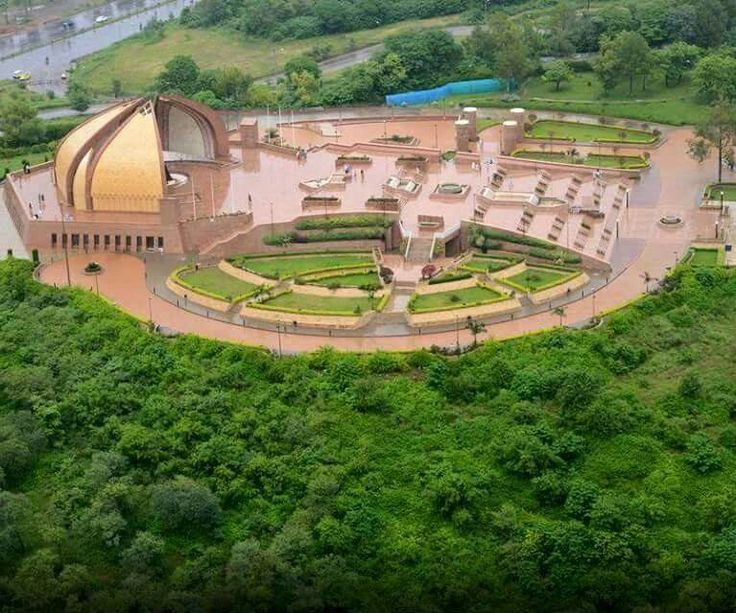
(673, 186)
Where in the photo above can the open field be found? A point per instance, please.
(588, 133)
(214, 282)
(584, 94)
(481, 264)
(290, 266)
(15, 163)
(136, 62)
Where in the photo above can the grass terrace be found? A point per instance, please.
(355, 279)
(706, 257)
(214, 282)
(589, 133)
(457, 299)
(298, 264)
(307, 304)
(537, 278)
(483, 264)
(621, 162)
(713, 192)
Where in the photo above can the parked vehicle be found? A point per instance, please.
(21, 75)
(102, 19)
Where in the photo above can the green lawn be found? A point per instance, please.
(584, 94)
(598, 161)
(705, 257)
(328, 305)
(285, 267)
(587, 132)
(456, 299)
(714, 191)
(213, 281)
(358, 279)
(534, 278)
(14, 163)
(136, 61)
(484, 124)
(480, 264)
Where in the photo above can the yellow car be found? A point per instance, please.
(21, 75)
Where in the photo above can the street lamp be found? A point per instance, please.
(593, 306)
(278, 333)
(676, 257)
(457, 334)
(722, 194)
(716, 229)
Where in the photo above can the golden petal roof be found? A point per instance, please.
(80, 139)
(131, 166)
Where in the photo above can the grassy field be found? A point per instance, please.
(728, 189)
(458, 299)
(353, 280)
(336, 305)
(536, 278)
(587, 132)
(584, 94)
(136, 61)
(705, 257)
(11, 88)
(291, 266)
(14, 163)
(213, 281)
(599, 161)
(480, 264)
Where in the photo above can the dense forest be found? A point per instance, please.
(571, 470)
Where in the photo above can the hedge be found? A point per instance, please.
(356, 221)
(512, 238)
(447, 278)
(297, 254)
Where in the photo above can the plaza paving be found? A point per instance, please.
(644, 248)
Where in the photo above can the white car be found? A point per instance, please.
(102, 19)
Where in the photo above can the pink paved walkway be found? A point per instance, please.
(674, 189)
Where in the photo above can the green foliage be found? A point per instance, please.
(569, 470)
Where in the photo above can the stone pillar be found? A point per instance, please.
(249, 133)
(471, 114)
(519, 116)
(509, 137)
(462, 135)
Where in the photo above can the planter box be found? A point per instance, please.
(320, 202)
(383, 204)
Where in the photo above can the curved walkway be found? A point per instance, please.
(673, 186)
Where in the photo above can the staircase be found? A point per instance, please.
(420, 250)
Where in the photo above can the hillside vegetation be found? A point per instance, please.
(565, 471)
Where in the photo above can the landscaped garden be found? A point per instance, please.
(481, 264)
(623, 162)
(298, 264)
(456, 299)
(212, 281)
(705, 257)
(309, 304)
(713, 192)
(537, 278)
(588, 132)
(359, 279)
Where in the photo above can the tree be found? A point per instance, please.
(676, 60)
(18, 122)
(512, 53)
(714, 77)
(476, 327)
(182, 505)
(627, 55)
(79, 97)
(560, 312)
(302, 63)
(558, 72)
(179, 76)
(717, 131)
(428, 56)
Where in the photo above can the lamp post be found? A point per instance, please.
(593, 306)
(457, 334)
(676, 257)
(270, 206)
(722, 194)
(278, 334)
(150, 309)
(716, 236)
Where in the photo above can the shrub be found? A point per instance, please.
(702, 454)
(448, 277)
(182, 505)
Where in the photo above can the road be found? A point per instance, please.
(46, 56)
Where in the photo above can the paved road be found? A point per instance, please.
(45, 46)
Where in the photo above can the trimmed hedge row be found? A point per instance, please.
(460, 276)
(325, 236)
(356, 221)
